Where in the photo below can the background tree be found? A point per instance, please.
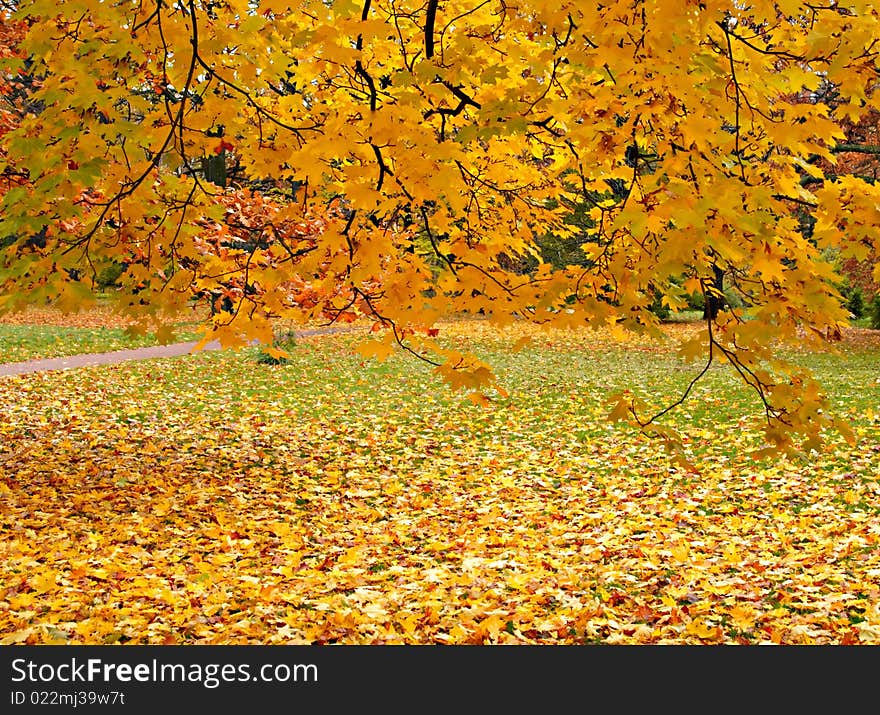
(15, 102)
(452, 136)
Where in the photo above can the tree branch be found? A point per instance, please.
(430, 16)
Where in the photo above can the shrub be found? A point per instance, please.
(733, 299)
(855, 304)
(659, 308)
(108, 277)
(286, 341)
(696, 301)
(874, 313)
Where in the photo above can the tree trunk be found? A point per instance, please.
(214, 168)
(715, 301)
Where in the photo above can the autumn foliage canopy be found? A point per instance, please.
(403, 160)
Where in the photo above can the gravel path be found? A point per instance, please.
(148, 353)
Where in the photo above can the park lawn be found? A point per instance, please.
(212, 499)
(31, 342)
(48, 333)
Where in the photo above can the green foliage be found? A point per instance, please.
(855, 303)
(874, 313)
(562, 251)
(108, 277)
(566, 250)
(696, 301)
(660, 309)
(284, 343)
(732, 299)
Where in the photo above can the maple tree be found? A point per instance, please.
(13, 97)
(858, 155)
(433, 143)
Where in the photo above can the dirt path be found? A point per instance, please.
(148, 353)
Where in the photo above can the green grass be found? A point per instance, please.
(685, 316)
(572, 379)
(558, 392)
(30, 342)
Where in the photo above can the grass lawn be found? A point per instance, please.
(212, 499)
(31, 342)
(47, 333)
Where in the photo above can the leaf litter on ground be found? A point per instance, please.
(211, 499)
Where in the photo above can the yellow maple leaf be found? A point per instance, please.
(703, 630)
(743, 616)
(380, 350)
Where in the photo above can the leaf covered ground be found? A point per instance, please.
(211, 499)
